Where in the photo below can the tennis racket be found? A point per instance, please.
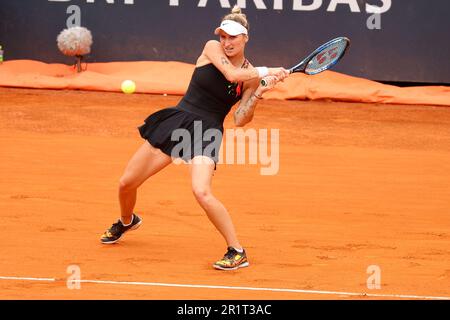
(323, 58)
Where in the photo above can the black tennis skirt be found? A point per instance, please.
(183, 134)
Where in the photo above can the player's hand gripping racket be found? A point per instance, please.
(323, 58)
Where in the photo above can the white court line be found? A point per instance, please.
(28, 279)
(157, 284)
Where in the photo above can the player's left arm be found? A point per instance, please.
(245, 110)
(252, 93)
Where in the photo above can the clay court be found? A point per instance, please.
(358, 185)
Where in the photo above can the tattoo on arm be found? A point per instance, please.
(224, 61)
(247, 108)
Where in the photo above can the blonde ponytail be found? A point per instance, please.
(237, 15)
(236, 10)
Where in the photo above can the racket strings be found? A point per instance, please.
(326, 57)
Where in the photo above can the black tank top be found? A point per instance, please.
(210, 94)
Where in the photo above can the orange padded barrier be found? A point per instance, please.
(173, 78)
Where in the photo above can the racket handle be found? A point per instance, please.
(264, 82)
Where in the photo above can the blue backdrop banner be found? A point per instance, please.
(401, 40)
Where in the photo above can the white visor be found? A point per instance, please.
(231, 27)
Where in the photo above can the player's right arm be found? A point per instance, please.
(214, 53)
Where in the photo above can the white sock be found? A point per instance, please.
(238, 250)
(126, 225)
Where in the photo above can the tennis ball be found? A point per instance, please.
(128, 86)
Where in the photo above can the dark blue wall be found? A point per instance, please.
(413, 43)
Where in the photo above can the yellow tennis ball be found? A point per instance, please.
(128, 86)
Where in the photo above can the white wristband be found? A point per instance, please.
(262, 71)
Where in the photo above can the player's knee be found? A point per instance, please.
(202, 194)
(125, 185)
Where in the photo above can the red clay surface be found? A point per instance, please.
(358, 185)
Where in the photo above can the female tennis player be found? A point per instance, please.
(222, 77)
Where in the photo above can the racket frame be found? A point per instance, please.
(301, 66)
